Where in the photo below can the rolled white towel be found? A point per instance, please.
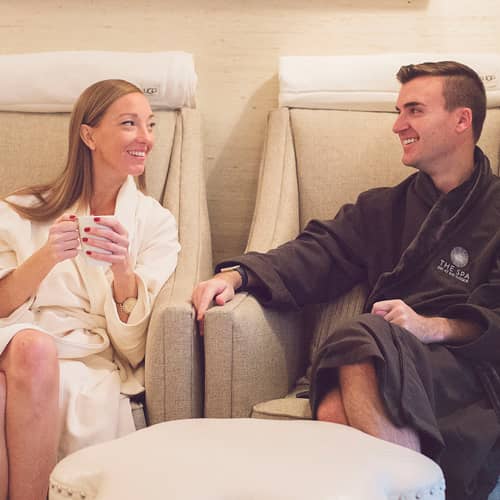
(366, 82)
(52, 81)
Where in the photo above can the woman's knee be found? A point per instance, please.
(32, 355)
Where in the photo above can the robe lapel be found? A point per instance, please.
(97, 279)
(126, 211)
(443, 218)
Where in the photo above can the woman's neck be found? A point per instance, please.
(103, 198)
(103, 201)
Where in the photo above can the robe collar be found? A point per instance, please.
(447, 211)
(96, 278)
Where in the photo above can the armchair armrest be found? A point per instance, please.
(252, 354)
(173, 364)
(174, 351)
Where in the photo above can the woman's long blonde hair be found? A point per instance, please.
(76, 182)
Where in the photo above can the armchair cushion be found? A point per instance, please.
(288, 408)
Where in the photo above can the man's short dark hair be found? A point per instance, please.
(462, 87)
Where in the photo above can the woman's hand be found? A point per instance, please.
(22, 283)
(63, 241)
(109, 235)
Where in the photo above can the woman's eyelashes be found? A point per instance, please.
(132, 123)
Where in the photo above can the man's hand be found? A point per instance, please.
(427, 330)
(221, 289)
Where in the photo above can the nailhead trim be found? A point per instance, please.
(67, 492)
(423, 494)
(81, 495)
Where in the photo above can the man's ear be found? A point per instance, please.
(87, 136)
(464, 119)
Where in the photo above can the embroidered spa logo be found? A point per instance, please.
(459, 259)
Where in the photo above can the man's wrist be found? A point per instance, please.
(241, 284)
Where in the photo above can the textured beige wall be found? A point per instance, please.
(236, 44)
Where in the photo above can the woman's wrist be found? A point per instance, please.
(125, 287)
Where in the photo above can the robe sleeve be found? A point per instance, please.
(155, 262)
(8, 258)
(324, 261)
(482, 308)
(15, 247)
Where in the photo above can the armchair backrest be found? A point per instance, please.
(319, 160)
(339, 154)
(34, 149)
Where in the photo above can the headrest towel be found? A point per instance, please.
(366, 82)
(52, 81)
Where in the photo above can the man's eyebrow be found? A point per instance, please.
(411, 104)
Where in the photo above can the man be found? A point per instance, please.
(419, 367)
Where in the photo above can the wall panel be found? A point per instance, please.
(236, 45)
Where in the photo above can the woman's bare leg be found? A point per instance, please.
(4, 464)
(32, 373)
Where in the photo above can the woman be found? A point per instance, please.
(72, 333)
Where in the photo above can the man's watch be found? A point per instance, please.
(127, 305)
(241, 271)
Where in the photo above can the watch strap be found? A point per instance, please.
(127, 305)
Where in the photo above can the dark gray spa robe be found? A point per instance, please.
(441, 255)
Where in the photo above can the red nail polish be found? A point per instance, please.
(72, 217)
(87, 229)
(88, 252)
(85, 239)
(97, 219)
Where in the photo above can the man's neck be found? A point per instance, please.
(456, 172)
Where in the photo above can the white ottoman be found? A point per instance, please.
(246, 459)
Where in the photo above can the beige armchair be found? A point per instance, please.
(313, 162)
(34, 148)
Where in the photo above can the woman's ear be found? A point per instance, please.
(87, 136)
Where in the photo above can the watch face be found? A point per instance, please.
(129, 304)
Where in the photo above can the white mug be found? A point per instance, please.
(88, 221)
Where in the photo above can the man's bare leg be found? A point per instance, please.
(331, 408)
(357, 403)
(32, 373)
(364, 408)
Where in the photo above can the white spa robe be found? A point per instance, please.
(100, 356)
